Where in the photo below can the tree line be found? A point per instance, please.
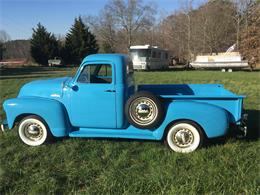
(79, 42)
(210, 27)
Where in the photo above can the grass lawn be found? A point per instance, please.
(117, 166)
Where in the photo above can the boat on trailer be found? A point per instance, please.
(226, 61)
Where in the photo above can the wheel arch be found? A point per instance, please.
(213, 120)
(167, 128)
(20, 117)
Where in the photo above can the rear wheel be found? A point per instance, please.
(33, 130)
(184, 137)
(144, 110)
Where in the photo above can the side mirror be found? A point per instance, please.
(75, 87)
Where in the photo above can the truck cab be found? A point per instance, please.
(102, 85)
(101, 100)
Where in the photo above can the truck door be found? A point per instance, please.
(93, 97)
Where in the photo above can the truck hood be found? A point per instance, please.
(50, 88)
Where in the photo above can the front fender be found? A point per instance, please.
(213, 119)
(52, 111)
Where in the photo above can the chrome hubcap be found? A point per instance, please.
(143, 111)
(33, 131)
(183, 138)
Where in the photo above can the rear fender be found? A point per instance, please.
(213, 119)
(52, 111)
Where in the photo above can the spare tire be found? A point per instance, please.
(144, 110)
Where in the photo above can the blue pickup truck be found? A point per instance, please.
(101, 100)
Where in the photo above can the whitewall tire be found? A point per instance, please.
(33, 131)
(184, 137)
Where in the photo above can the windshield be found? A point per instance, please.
(140, 53)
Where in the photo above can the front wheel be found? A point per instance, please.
(33, 131)
(184, 137)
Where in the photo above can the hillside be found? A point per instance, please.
(17, 49)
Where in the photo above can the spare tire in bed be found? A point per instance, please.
(144, 110)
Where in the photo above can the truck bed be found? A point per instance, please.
(214, 94)
(189, 91)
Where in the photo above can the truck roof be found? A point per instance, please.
(105, 57)
(118, 60)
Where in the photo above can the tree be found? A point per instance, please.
(17, 49)
(2, 49)
(250, 43)
(131, 16)
(4, 37)
(79, 43)
(104, 26)
(208, 29)
(44, 45)
(240, 18)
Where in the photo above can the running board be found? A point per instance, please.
(130, 133)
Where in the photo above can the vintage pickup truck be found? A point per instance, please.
(102, 101)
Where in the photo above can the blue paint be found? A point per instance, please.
(52, 111)
(78, 109)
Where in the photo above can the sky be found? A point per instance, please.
(18, 17)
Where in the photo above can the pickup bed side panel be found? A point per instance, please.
(213, 119)
(52, 111)
(214, 94)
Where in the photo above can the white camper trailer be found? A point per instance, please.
(146, 57)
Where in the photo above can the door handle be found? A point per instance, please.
(110, 90)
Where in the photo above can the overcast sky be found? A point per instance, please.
(18, 17)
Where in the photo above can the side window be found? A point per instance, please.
(166, 55)
(105, 71)
(129, 72)
(96, 73)
(159, 55)
(153, 54)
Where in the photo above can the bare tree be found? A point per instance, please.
(122, 23)
(4, 37)
(241, 7)
(187, 11)
(250, 33)
(206, 29)
(175, 32)
(104, 26)
(131, 16)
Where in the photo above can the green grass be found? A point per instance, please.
(117, 166)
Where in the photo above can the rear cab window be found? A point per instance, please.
(129, 72)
